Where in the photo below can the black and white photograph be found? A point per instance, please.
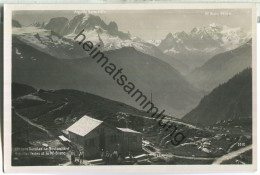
(131, 86)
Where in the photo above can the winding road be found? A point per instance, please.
(33, 124)
(232, 155)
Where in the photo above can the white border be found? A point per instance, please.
(122, 168)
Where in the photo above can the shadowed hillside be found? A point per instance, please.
(231, 100)
(21, 90)
(59, 109)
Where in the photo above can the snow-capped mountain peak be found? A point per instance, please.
(203, 42)
(212, 35)
(57, 37)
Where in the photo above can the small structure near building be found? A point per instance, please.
(95, 135)
(64, 139)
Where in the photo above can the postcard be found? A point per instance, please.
(130, 87)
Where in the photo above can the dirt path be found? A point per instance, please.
(188, 125)
(177, 156)
(58, 108)
(234, 144)
(33, 124)
(187, 157)
(232, 154)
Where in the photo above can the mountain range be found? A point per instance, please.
(42, 51)
(57, 38)
(201, 43)
(201, 78)
(183, 51)
(170, 89)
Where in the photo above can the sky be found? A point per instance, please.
(151, 24)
